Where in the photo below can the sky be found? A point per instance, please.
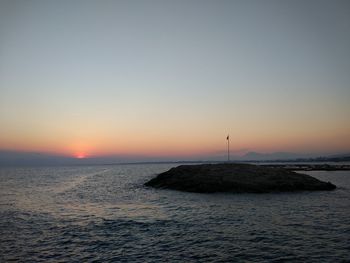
(172, 78)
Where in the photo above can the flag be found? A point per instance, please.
(228, 137)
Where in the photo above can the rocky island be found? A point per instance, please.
(236, 178)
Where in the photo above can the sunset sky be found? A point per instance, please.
(173, 78)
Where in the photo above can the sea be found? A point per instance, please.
(105, 214)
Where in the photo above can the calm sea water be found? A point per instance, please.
(104, 213)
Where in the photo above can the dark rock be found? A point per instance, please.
(236, 178)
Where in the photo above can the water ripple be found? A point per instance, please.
(104, 214)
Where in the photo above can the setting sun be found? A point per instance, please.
(80, 155)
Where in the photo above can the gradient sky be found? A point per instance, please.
(168, 78)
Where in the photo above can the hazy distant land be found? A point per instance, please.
(14, 158)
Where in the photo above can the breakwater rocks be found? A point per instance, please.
(236, 178)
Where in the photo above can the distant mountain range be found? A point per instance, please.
(14, 158)
(255, 156)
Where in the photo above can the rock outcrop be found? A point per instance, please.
(236, 178)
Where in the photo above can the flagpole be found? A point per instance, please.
(228, 148)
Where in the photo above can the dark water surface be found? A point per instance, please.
(103, 213)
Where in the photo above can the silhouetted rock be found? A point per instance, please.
(236, 178)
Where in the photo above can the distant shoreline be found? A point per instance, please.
(311, 167)
(288, 165)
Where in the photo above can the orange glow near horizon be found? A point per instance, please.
(205, 138)
(181, 144)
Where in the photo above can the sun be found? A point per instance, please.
(80, 155)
